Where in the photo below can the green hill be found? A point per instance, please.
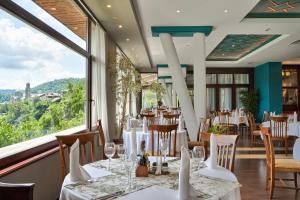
(56, 86)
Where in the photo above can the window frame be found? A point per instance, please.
(25, 16)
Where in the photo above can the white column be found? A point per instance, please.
(199, 75)
(166, 97)
(180, 85)
(174, 97)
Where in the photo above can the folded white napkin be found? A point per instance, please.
(77, 172)
(184, 175)
(296, 150)
(212, 164)
(133, 146)
(180, 123)
(145, 125)
(295, 117)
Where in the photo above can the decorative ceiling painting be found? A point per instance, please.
(235, 47)
(276, 9)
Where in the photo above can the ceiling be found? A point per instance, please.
(227, 17)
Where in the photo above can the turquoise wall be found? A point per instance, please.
(268, 82)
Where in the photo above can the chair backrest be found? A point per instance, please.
(251, 122)
(278, 126)
(12, 191)
(101, 138)
(270, 155)
(224, 117)
(150, 117)
(204, 127)
(68, 141)
(266, 116)
(226, 149)
(171, 118)
(164, 131)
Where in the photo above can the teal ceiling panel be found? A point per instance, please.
(235, 47)
(276, 9)
(181, 31)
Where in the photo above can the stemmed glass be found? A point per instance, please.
(109, 151)
(129, 165)
(164, 147)
(121, 153)
(198, 155)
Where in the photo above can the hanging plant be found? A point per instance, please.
(125, 80)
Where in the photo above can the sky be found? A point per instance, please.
(28, 55)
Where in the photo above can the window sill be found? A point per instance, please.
(16, 156)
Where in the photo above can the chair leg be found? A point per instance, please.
(286, 147)
(272, 185)
(295, 180)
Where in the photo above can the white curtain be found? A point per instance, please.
(99, 79)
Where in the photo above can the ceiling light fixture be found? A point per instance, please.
(120, 26)
(132, 49)
(226, 11)
(267, 29)
(108, 6)
(75, 28)
(178, 11)
(53, 8)
(127, 39)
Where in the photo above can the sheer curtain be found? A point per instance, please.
(99, 108)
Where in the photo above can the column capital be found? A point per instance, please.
(181, 31)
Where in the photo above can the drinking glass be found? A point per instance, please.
(129, 165)
(164, 147)
(198, 156)
(109, 151)
(121, 153)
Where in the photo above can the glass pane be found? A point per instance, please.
(225, 79)
(63, 15)
(241, 78)
(290, 97)
(211, 99)
(289, 78)
(211, 78)
(42, 83)
(237, 97)
(148, 98)
(225, 99)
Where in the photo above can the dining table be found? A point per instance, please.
(237, 120)
(205, 184)
(293, 128)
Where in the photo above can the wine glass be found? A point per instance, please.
(109, 151)
(164, 147)
(198, 156)
(121, 153)
(129, 165)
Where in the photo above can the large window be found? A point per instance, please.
(224, 87)
(42, 83)
(290, 88)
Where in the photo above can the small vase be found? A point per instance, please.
(213, 152)
(141, 171)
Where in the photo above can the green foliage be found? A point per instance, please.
(217, 129)
(24, 120)
(250, 99)
(158, 89)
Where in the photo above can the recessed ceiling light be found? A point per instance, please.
(132, 49)
(226, 11)
(178, 11)
(233, 45)
(120, 26)
(52, 8)
(75, 28)
(187, 45)
(223, 54)
(127, 39)
(109, 6)
(267, 29)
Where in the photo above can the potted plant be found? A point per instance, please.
(249, 100)
(125, 80)
(159, 90)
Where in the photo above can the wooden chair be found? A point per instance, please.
(12, 191)
(224, 122)
(277, 165)
(171, 118)
(150, 117)
(226, 149)
(254, 129)
(164, 131)
(68, 141)
(278, 127)
(204, 127)
(101, 139)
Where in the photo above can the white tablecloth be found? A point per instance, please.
(234, 120)
(155, 192)
(293, 129)
(181, 139)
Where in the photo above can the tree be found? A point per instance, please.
(249, 99)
